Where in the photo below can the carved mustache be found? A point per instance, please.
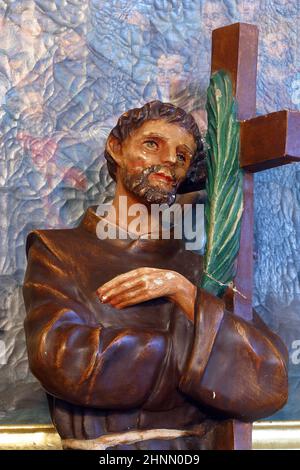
(166, 171)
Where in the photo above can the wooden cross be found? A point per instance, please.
(265, 142)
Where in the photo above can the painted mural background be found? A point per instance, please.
(67, 70)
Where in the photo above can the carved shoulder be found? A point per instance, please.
(54, 240)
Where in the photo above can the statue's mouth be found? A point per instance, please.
(164, 177)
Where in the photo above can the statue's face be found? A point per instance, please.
(154, 159)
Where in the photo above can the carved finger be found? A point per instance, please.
(135, 297)
(120, 289)
(116, 281)
(130, 296)
(134, 273)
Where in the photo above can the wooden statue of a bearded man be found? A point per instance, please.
(131, 352)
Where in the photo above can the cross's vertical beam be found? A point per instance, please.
(234, 49)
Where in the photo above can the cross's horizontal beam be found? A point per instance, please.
(270, 140)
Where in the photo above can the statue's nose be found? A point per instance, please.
(170, 157)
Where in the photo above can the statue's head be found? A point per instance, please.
(156, 151)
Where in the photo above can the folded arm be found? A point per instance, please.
(74, 358)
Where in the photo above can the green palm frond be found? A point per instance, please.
(224, 207)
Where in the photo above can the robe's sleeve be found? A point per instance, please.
(73, 358)
(235, 367)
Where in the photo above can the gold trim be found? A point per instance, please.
(29, 437)
(266, 435)
(276, 435)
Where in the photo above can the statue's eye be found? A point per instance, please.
(181, 157)
(151, 144)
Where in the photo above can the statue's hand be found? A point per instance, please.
(144, 284)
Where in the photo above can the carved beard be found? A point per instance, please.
(138, 184)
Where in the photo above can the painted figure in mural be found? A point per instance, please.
(131, 352)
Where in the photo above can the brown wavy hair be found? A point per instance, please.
(134, 118)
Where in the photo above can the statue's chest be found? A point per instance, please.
(95, 267)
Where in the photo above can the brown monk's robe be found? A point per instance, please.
(146, 366)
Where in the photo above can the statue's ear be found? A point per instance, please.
(114, 148)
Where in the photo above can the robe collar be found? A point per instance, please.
(164, 246)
